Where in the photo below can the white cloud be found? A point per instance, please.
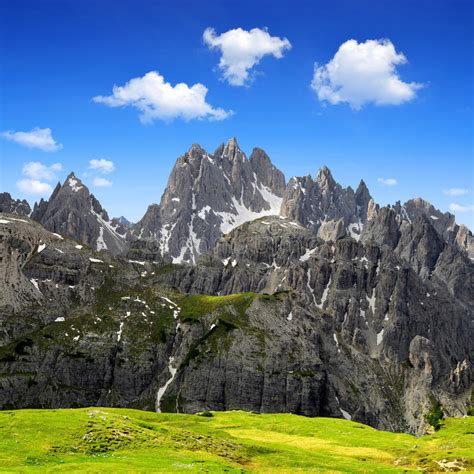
(102, 182)
(387, 181)
(459, 208)
(456, 191)
(241, 50)
(104, 166)
(362, 73)
(40, 138)
(37, 170)
(36, 174)
(34, 186)
(157, 99)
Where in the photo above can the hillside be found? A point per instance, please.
(123, 440)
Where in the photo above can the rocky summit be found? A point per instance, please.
(74, 212)
(207, 195)
(239, 291)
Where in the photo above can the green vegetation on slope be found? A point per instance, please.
(123, 440)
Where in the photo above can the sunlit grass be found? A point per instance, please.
(123, 440)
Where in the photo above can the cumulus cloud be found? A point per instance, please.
(387, 181)
(40, 138)
(35, 174)
(102, 182)
(459, 208)
(37, 170)
(241, 50)
(456, 191)
(103, 166)
(157, 99)
(34, 186)
(362, 73)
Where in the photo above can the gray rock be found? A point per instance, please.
(314, 203)
(206, 196)
(74, 212)
(14, 206)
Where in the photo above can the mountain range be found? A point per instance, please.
(238, 291)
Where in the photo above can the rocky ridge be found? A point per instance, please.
(378, 335)
(14, 206)
(198, 305)
(74, 212)
(207, 195)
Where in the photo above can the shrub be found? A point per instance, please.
(435, 415)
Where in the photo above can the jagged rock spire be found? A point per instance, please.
(74, 212)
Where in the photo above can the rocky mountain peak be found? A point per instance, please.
(210, 197)
(362, 189)
(363, 200)
(443, 222)
(195, 151)
(232, 149)
(74, 184)
(74, 212)
(14, 206)
(326, 207)
(325, 179)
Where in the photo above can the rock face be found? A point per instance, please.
(380, 329)
(207, 195)
(443, 223)
(214, 301)
(74, 212)
(14, 206)
(326, 207)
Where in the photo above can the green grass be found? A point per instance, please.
(194, 307)
(124, 440)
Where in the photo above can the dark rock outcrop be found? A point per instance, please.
(14, 206)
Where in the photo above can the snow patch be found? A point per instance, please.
(119, 332)
(231, 220)
(306, 255)
(35, 283)
(372, 301)
(325, 295)
(308, 284)
(100, 244)
(380, 337)
(59, 320)
(74, 185)
(355, 230)
(345, 414)
(162, 390)
(95, 260)
(204, 211)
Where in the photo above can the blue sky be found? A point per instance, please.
(56, 56)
